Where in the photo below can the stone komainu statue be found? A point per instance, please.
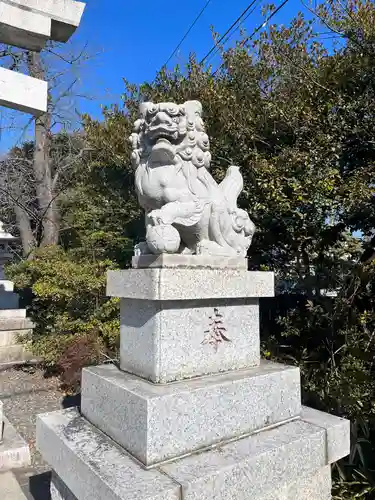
(186, 210)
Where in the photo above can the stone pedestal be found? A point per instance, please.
(191, 412)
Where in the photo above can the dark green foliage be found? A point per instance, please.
(67, 301)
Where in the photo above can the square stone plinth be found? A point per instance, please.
(158, 422)
(13, 337)
(10, 314)
(182, 323)
(288, 462)
(14, 354)
(316, 486)
(165, 341)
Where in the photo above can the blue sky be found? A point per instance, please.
(134, 39)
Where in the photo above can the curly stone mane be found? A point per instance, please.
(188, 138)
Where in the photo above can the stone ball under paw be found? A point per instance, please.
(163, 239)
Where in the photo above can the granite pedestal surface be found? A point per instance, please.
(191, 412)
(171, 317)
(159, 422)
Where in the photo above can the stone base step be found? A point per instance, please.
(92, 465)
(13, 337)
(14, 451)
(288, 462)
(14, 353)
(9, 313)
(9, 487)
(59, 490)
(159, 422)
(15, 322)
(312, 487)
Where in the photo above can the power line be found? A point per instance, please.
(188, 31)
(234, 31)
(250, 37)
(228, 30)
(264, 23)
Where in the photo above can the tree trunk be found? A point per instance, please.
(24, 226)
(48, 231)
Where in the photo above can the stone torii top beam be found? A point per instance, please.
(28, 24)
(62, 16)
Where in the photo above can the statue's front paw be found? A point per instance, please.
(158, 217)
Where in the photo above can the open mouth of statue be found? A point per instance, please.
(162, 134)
(163, 141)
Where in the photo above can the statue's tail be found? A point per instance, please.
(231, 186)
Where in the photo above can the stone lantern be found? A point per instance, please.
(13, 321)
(5, 256)
(14, 325)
